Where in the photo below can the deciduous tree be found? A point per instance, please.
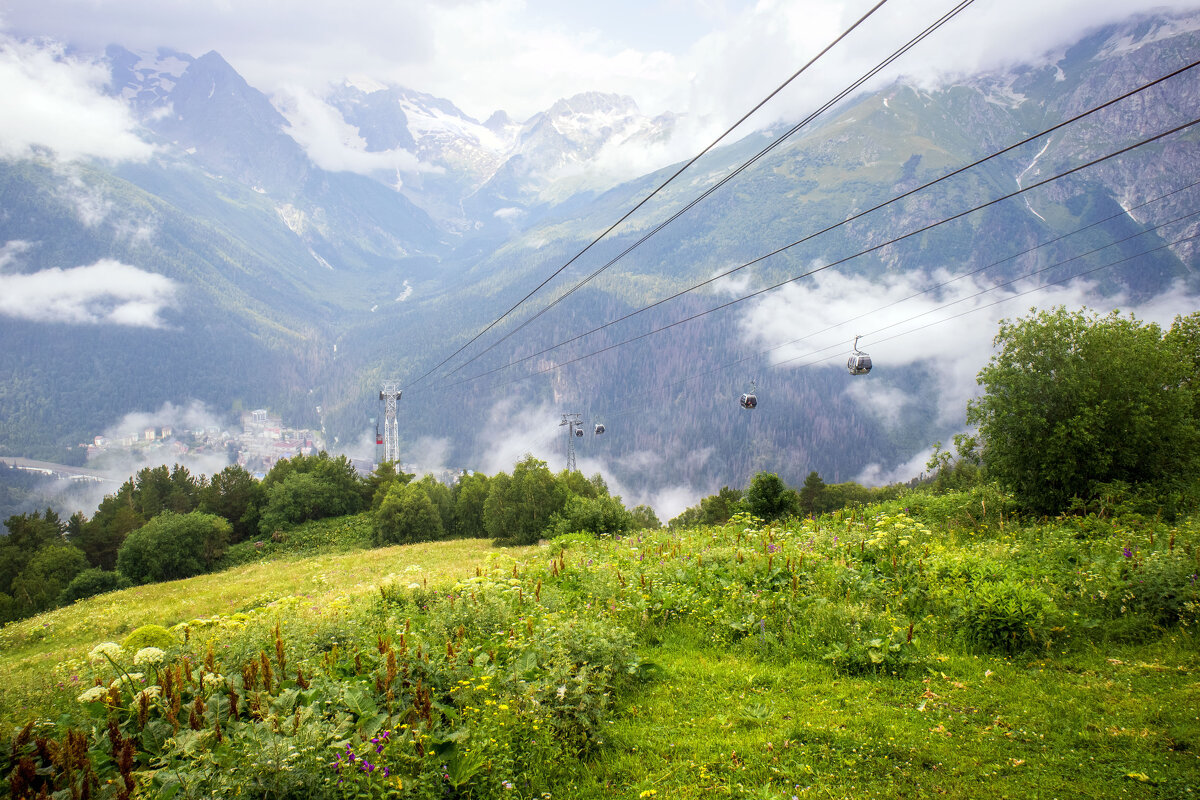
(1074, 401)
(407, 515)
(173, 546)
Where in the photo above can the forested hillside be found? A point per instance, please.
(291, 287)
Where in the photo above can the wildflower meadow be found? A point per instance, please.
(929, 646)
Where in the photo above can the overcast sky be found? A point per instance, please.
(710, 58)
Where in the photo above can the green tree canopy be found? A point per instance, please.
(305, 488)
(519, 508)
(643, 517)
(380, 481)
(1074, 401)
(716, 509)
(598, 515)
(407, 515)
(45, 576)
(769, 498)
(812, 494)
(470, 494)
(91, 582)
(442, 498)
(172, 546)
(234, 494)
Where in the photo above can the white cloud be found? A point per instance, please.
(12, 251)
(885, 403)
(877, 475)
(192, 415)
(55, 104)
(739, 64)
(334, 144)
(710, 60)
(105, 292)
(947, 332)
(671, 502)
(428, 454)
(512, 431)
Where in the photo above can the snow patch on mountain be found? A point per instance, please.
(145, 80)
(1157, 31)
(293, 217)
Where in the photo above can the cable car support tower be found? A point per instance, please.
(574, 425)
(389, 395)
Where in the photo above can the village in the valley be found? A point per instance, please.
(262, 441)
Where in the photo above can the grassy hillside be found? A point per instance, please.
(34, 651)
(931, 647)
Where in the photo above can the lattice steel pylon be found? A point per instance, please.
(574, 425)
(389, 395)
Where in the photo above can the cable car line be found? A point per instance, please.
(661, 186)
(1022, 190)
(978, 270)
(836, 225)
(996, 302)
(760, 354)
(839, 346)
(733, 174)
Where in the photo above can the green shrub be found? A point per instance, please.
(92, 582)
(864, 652)
(598, 515)
(1006, 616)
(1158, 586)
(173, 546)
(149, 636)
(407, 515)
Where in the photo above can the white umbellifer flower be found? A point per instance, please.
(212, 680)
(93, 694)
(118, 682)
(150, 693)
(110, 649)
(149, 656)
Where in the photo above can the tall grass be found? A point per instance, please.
(928, 647)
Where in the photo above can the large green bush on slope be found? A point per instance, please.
(173, 546)
(407, 515)
(1074, 401)
(520, 507)
(304, 488)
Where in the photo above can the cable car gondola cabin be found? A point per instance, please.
(749, 401)
(859, 362)
(599, 428)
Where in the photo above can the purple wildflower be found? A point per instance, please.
(1127, 552)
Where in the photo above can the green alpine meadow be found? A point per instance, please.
(658, 400)
(929, 646)
(1022, 622)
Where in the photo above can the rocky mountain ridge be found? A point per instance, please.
(300, 286)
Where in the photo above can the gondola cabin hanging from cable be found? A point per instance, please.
(599, 428)
(749, 400)
(859, 362)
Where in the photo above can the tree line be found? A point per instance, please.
(1080, 413)
(165, 523)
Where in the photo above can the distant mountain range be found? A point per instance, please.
(299, 278)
